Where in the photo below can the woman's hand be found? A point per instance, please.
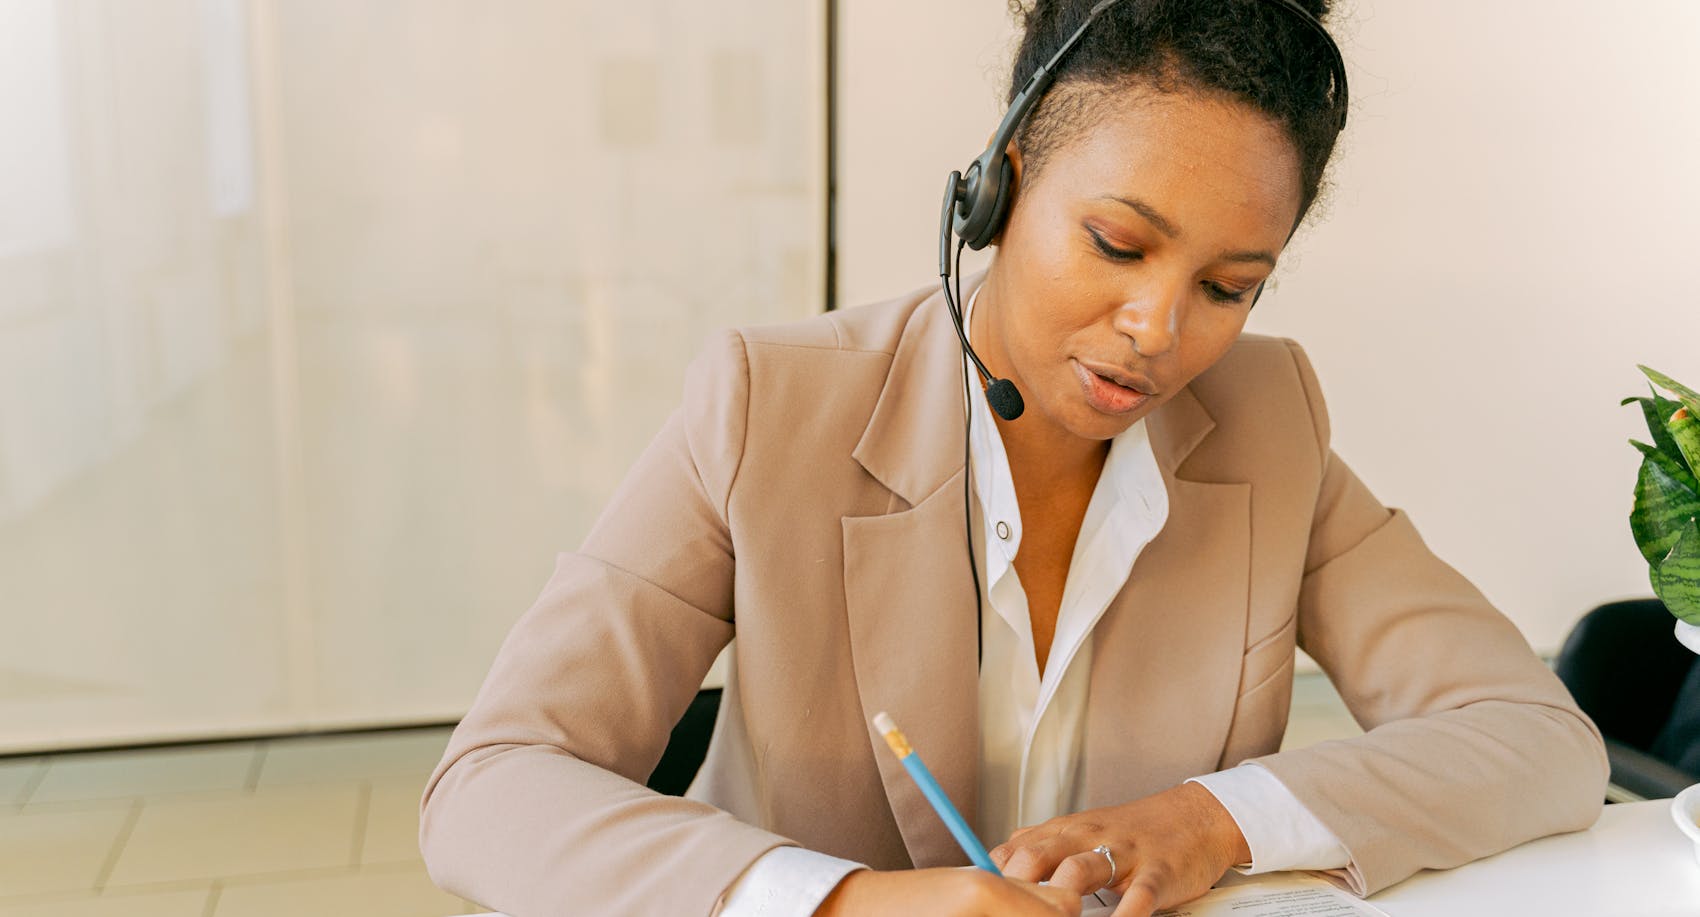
(952, 891)
(1169, 848)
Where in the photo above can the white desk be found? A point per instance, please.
(1632, 863)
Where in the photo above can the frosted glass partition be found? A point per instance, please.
(325, 325)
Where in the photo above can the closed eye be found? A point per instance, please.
(1218, 293)
(1110, 251)
(1215, 291)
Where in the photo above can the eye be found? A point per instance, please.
(1110, 251)
(1215, 291)
(1218, 293)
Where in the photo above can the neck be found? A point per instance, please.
(1043, 460)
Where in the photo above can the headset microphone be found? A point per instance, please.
(974, 208)
(1001, 394)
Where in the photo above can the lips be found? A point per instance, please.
(1105, 396)
(1124, 378)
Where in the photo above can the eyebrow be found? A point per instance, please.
(1172, 231)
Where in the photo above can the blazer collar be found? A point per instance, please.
(906, 447)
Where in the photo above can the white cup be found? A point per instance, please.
(1685, 809)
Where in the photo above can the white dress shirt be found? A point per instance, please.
(1031, 725)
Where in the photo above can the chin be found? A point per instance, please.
(1106, 426)
(1085, 422)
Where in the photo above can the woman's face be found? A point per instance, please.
(1135, 252)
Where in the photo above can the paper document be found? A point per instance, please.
(1280, 895)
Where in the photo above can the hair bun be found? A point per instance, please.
(1317, 8)
(1025, 11)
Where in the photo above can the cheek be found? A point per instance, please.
(1045, 333)
(1205, 346)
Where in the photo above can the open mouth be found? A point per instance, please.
(1105, 394)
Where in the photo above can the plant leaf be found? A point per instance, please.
(1672, 465)
(1676, 579)
(1653, 410)
(1687, 395)
(1664, 507)
(1684, 427)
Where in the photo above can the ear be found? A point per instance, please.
(1013, 154)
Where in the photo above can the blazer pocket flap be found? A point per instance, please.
(1268, 654)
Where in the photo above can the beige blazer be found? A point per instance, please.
(807, 498)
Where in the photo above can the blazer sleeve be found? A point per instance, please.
(1472, 744)
(538, 805)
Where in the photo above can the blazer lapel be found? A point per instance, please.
(1179, 620)
(910, 606)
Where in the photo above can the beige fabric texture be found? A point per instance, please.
(807, 496)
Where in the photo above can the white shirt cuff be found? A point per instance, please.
(1280, 831)
(786, 882)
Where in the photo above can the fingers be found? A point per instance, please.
(1161, 855)
(960, 891)
(1057, 900)
(1033, 862)
(1084, 873)
(1035, 853)
(1140, 898)
(1001, 853)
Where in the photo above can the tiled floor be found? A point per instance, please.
(322, 825)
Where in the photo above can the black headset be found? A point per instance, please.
(974, 209)
(975, 205)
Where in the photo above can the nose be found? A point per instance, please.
(1151, 316)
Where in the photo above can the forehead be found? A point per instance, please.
(1203, 161)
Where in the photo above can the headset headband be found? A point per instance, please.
(974, 209)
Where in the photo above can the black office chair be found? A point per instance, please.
(1642, 688)
(688, 745)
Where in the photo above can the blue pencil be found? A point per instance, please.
(935, 794)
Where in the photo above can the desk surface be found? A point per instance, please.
(1632, 863)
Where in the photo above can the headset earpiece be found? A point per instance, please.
(981, 205)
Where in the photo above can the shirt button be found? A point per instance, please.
(1003, 530)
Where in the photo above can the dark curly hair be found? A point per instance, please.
(1246, 50)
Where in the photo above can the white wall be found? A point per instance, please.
(325, 325)
(1511, 229)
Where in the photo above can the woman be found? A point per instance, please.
(1159, 530)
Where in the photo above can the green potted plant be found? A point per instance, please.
(1665, 518)
(1666, 528)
